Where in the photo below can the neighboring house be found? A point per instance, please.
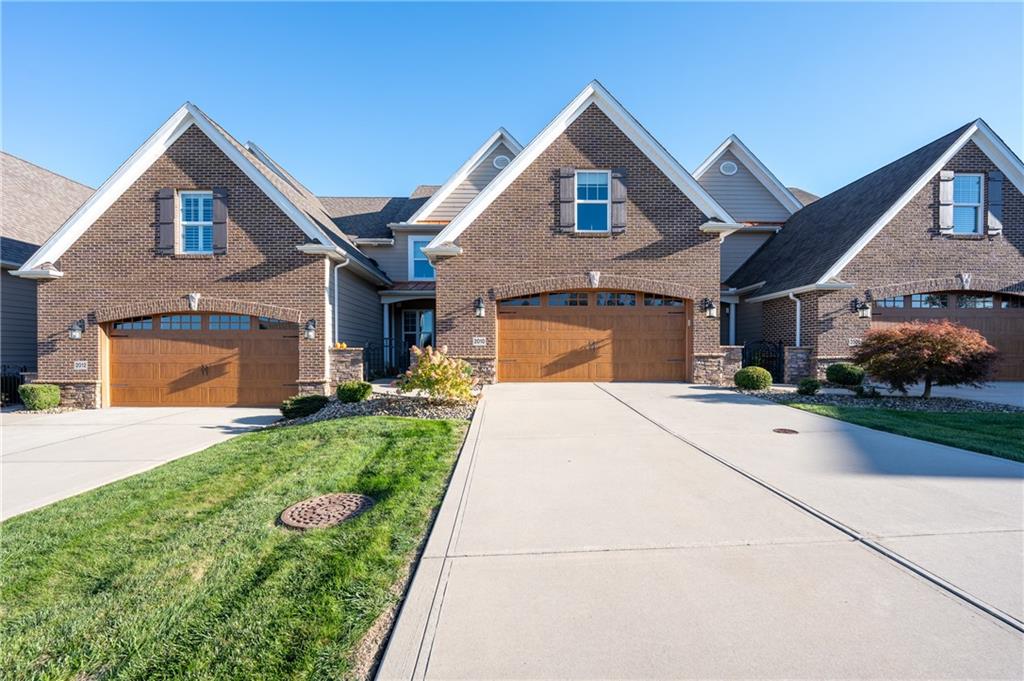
(202, 272)
(34, 202)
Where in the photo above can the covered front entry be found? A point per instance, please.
(594, 336)
(998, 317)
(202, 359)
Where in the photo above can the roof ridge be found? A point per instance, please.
(47, 170)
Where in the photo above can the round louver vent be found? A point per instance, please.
(501, 161)
(728, 168)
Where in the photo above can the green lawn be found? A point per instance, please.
(182, 573)
(998, 434)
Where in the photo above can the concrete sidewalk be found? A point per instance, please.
(580, 540)
(48, 457)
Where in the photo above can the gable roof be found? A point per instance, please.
(737, 148)
(34, 202)
(803, 196)
(301, 207)
(593, 94)
(819, 240)
(499, 137)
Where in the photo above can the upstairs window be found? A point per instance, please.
(967, 204)
(593, 209)
(420, 268)
(196, 222)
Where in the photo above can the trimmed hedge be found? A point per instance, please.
(753, 378)
(303, 405)
(354, 391)
(808, 386)
(36, 396)
(845, 374)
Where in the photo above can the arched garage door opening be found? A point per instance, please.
(202, 359)
(589, 335)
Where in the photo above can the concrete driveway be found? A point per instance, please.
(47, 457)
(664, 531)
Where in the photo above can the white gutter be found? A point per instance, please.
(337, 267)
(746, 289)
(336, 253)
(797, 300)
(831, 286)
(375, 242)
(442, 250)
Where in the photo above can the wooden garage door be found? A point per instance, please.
(593, 336)
(1000, 318)
(210, 360)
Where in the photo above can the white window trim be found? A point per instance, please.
(413, 238)
(607, 202)
(182, 224)
(979, 224)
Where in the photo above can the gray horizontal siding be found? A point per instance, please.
(17, 322)
(737, 249)
(479, 178)
(360, 313)
(742, 194)
(748, 323)
(394, 260)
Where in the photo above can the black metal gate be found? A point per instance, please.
(766, 355)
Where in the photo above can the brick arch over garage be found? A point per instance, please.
(967, 281)
(143, 308)
(583, 281)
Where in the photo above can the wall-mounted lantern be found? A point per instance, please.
(478, 307)
(862, 308)
(309, 332)
(76, 330)
(708, 305)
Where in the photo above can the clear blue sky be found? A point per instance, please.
(374, 99)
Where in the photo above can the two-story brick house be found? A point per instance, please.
(202, 272)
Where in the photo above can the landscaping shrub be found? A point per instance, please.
(935, 353)
(845, 374)
(753, 378)
(354, 391)
(303, 405)
(36, 396)
(441, 377)
(869, 391)
(808, 386)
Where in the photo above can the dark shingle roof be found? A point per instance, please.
(368, 217)
(14, 253)
(818, 235)
(802, 195)
(34, 202)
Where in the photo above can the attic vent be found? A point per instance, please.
(500, 161)
(728, 168)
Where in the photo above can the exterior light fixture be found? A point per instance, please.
(76, 330)
(708, 305)
(309, 332)
(478, 307)
(862, 308)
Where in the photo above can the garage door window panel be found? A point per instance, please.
(616, 299)
(567, 299)
(522, 301)
(655, 300)
(229, 322)
(969, 302)
(181, 322)
(929, 300)
(135, 324)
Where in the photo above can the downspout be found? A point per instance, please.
(797, 301)
(335, 326)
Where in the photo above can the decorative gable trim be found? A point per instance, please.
(498, 137)
(595, 94)
(138, 163)
(986, 140)
(756, 168)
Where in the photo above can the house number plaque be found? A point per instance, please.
(479, 341)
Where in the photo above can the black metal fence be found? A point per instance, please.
(770, 356)
(10, 379)
(374, 360)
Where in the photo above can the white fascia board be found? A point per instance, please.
(829, 286)
(140, 161)
(1001, 155)
(758, 169)
(339, 255)
(746, 289)
(895, 208)
(38, 273)
(593, 93)
(716, 227)
(115, 185)
(375, 242)
(499, 136)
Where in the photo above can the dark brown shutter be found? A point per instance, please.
(220, 220)
(995, 202)
(619, 198)
(165, 225)
(567, 197)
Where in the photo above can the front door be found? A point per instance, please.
(417, 329)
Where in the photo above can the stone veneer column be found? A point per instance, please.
(346, 365)
(798, 364)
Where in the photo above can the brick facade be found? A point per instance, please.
(515, 246)
(113, 271)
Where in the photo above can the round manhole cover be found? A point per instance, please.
(784, 431)
(324, 511)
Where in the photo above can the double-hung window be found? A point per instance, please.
(593, 209)
(968, 204)
(420, 268)
(196, 222)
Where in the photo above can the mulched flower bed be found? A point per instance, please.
(897, 402)
(388, 405)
